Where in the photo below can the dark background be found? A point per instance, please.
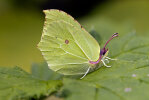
(76, 8)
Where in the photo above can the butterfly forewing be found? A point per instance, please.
(66, 46)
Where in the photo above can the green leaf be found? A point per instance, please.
(16, 84)
(127, 79)
(42, 71)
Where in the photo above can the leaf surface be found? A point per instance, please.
(16, 84)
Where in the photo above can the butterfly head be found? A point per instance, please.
(104, 51)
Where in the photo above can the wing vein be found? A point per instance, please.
(78, 43)
(75, 43)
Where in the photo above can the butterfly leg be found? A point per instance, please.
(105, 63)
(110, 58)
(85, 73)
(106, 60)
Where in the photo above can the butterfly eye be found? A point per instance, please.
(66, 41)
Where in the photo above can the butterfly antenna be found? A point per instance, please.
(113, 36)
(85, 73)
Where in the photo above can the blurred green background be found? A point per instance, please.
(21, 23)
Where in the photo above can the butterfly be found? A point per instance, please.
(68, 48)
